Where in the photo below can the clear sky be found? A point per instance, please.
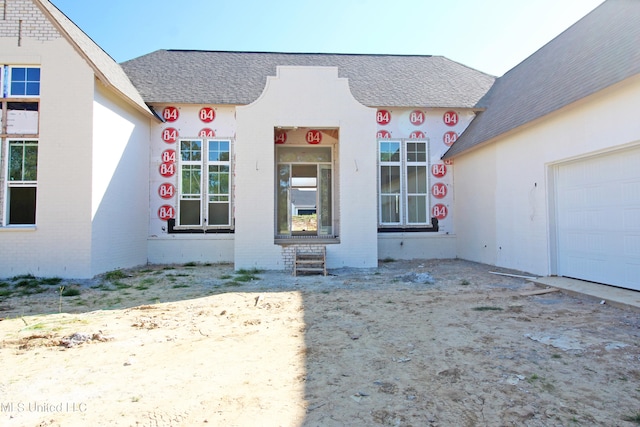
(489, 35)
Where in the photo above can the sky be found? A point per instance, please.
(489, 35)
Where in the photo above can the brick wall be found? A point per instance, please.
(288, 253)
(23, 19)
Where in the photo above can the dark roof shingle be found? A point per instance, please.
(208, 77)
(598, 51)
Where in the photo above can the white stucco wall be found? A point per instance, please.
(503, 214)
(60, 244)
(120, 181)
(311, 97)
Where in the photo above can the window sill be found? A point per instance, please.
(10, 228)
(285, 241)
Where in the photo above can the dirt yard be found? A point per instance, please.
(411, 343)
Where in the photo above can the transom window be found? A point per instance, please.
(403, 183)
(205, 183)
(23, 82)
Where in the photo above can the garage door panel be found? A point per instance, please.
(632, 246)
(598, 219)
(631, 219)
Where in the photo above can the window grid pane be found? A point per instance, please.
(218, 151)
(25, 81)
(23, 161)
(218, 179)
(417, 209)
(416, 151)
(389, 151)
(191, 151)
(191, 177)
(416, 179)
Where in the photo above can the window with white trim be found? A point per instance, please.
(205, 183)
(403, 189)
(21, 182)
(23, 82)
(20, 93)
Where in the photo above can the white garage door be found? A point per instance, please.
(598, 219)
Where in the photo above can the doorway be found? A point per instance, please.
(304, 195)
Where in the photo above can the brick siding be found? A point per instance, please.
(23, 19)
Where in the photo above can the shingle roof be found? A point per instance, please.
(600, 50)
(106, 69)
(206, 77)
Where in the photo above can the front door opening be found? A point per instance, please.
(304, 194)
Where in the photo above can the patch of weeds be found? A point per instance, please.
(556, 356)
(547, 386)
(145, 283)
(179, 285)
(464, 282)
(226, 276)
(232, 283)
(121, 285)
(37, 326)
(22, 277)
(51, 281)
(114, 275)
(487, 308)
(4, 285)
(168, 267)
(189, 264)
(5, 293)
(112, 302)
(70, 292)
(104, 287)
(633, 418)
(146, 270)
(141, 287)
(533, 378)
(29, 286)
(207, 264)
(243, 275)
(388, 259)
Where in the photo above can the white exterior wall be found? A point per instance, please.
(311, 97)
(120, 207)
(504, 210)
(60, 244)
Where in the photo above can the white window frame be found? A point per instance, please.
(10, 69)
(9, 184)
(403, 198)
(204, 196)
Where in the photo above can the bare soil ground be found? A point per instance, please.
(204, 345)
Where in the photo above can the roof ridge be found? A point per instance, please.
(301, 53)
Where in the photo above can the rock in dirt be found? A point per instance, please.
(80, 337)
(414, 277)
